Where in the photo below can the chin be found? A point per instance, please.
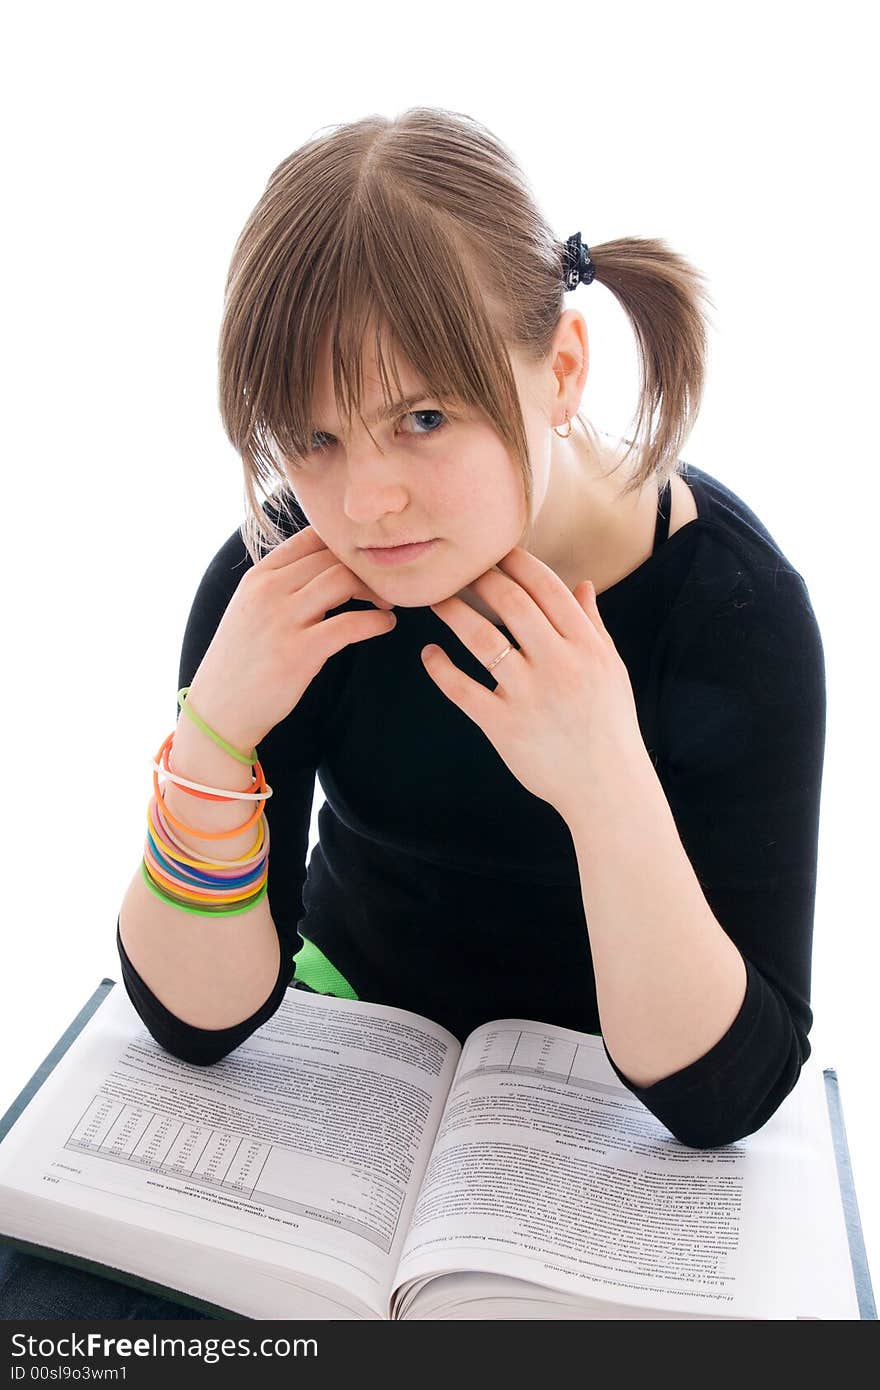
(421, 584)
(418, 592)
(421, 596)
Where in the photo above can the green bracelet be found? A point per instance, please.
(202, 911)
(227, 748)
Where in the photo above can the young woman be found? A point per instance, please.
(565, 699)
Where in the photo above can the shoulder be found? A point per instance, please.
(737, 563)
(743, 616)
(744, 667)
(742, 652)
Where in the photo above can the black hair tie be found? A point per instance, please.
(579, 269)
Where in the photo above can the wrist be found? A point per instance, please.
(194, 754)
(205, 709)
(612, 791)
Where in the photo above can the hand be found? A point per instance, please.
(563, 712)
(274, 637)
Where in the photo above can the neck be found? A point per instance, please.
(585, 528)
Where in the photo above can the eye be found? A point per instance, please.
(440, 421)
(319, 448)
(437, 414)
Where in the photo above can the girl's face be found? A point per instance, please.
(425, 475)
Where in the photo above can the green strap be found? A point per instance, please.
(320, 974)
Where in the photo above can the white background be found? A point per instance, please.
(137, 142)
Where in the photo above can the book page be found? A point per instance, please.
(547, 1169)
(303, 1148)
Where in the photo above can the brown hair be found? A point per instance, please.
(423, 229)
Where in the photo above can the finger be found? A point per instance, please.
(478, 703)
(481, 637)
(555, 600)
(303, 542)
(585, 593)
(333, 586)
(297, 576)
(333, 634)
(535, 634)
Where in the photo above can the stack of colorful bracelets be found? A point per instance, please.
(207, 887)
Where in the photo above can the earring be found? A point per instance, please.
(567, 422)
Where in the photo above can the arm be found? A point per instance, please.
(669, 980)
(699, 879)
(244, 980)
(201, 985)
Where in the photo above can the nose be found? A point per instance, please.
(373, 486)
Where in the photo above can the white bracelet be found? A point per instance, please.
(216, 791)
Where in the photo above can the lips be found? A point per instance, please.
(399, 554)
(395, 545)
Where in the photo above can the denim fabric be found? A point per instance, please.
(31, 1287)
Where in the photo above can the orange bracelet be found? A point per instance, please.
(192, 791)
(192, 830)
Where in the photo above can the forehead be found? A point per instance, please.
(374, 406)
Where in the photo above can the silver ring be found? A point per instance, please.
(500, 657)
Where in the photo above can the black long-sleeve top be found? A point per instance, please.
(440, 884)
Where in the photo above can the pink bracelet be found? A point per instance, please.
(163, 833)
(228, 870)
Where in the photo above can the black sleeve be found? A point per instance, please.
(741, 760)
(289, 756)
(201, 1046)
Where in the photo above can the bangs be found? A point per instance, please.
(396, 277)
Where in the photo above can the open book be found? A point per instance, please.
(355, 1161)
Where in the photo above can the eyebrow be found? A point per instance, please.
(391, 410)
